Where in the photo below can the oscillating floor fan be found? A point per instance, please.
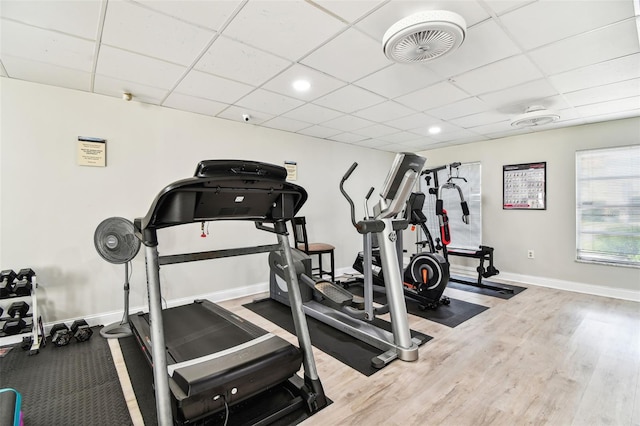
(116, 243)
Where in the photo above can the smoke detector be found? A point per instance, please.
(535, 115)
(424, 36)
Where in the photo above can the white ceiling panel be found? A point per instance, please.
(194, 104)
(269, 102)
(53, 75)
(498, 75)
(349, 99)
(562, 19)
(320, 83)
(46, 46)
(242, 62)
(358, 53)
(433, 96)
(207, 14)
(79, 18)
(399, 79)
(619, 69)
(289, 28)
(120, 64)
(209, 86)
(228, 58)
(349, 10)
(139, 29)
(607, 43)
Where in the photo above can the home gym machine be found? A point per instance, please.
(337, 307)
(484, 253)
(206, 360)
(427, 274)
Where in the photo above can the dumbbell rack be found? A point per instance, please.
(36, 338)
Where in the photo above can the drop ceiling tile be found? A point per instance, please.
(609, 92)
(78, 18)
(498, 75)
(457, 109)
(348, 138)
(612, 116)
(358, 55)
(378, 22)
(53, 75)
(269, 102)
(241, 62)
(194, 104)
(115, 87)
(523, 95)
(348, 123)
(286, 124)
(610, 107)
(398, 80)
(419, 143)
(385, 111)
(371, 143)
(45, 46)
(321, 83)
(454, 135)
(400, 137)
(604, 44)
(497, 127)
(350, 10)
(433, 96)
(485, 43)
(288, 28)
(472, 121)
(349, 99)
(141, 30)
(207, 14)
(124, 65)
(413, 121)
(312, 114)
(618, 69)
(235, 113)
(377, 130)
(502, 6)
(209, 86)
(562, 19)
(445, 127)
(319, 131)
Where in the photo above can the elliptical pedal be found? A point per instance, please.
(333, 294)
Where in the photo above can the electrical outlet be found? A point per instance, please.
(530, 254)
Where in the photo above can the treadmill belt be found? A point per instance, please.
(192, 331)
(459, 284)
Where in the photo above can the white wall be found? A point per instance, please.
(551, 232)
(50, 206)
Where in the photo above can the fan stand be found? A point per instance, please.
(123, 328)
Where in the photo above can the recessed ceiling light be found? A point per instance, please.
(301, 85)
(434, 130)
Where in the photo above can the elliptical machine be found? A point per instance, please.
(337, 307)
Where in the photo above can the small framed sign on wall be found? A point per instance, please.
(92, 151)
(524, 186)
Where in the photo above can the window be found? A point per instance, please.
(608, 205)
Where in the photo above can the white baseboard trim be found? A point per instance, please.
(595, 290)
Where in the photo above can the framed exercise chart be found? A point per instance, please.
(524, 186)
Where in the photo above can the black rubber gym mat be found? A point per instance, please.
(486, 291)
(346, 349)
(452, 315)
(75, 384)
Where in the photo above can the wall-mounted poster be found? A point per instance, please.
(525, 186)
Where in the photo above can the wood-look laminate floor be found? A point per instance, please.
(544, 357)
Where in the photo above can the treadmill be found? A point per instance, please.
(206, 360)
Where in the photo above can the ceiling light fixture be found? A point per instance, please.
(424, 36)
(434, 130)
(301, 85)
(535, 115)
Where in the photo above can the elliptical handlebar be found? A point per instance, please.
(344, 193)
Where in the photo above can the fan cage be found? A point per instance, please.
(115, 240)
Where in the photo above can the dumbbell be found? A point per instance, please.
(18, 309)
(60, 335)
(81, 330)
(6, 283)
(23, 285)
